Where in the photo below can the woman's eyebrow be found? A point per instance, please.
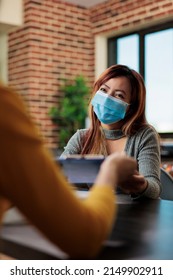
(106, 86)
(121, 90)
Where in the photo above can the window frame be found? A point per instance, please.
(112, 51)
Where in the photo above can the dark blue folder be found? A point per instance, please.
(80, 170)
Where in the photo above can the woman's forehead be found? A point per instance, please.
(118, 82)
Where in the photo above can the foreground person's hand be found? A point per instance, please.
(5, 205)
(116, 169)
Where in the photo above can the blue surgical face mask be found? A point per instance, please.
(107, 108)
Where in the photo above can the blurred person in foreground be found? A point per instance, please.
(32, 181)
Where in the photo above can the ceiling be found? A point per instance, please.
(84, 3)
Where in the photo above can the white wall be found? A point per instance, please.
(11, 16)
(100, 55)
(4, 57)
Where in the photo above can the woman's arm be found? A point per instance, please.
(74, 145)
(149, 162)
(144, 146)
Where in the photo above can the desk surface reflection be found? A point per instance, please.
(142, 230)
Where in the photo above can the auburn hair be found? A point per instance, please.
(94, 140)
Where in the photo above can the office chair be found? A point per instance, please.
(167, 185)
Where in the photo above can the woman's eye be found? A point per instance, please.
(119, 95)
(103, 89)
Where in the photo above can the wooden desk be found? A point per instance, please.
(143, 230)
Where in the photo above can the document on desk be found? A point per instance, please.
(81, 169)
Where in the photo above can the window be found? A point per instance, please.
(125, 44)
(150, 52)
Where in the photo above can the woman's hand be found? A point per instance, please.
(136, 184)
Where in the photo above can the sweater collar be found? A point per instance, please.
(113, 134)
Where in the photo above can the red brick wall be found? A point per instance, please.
(114, 15)
(57, 41)
(54, 43)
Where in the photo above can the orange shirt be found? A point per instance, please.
(33, 182)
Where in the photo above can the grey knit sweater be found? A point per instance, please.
(143, 146)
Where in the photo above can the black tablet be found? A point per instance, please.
(80, 169)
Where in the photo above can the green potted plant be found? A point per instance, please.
(71, 111)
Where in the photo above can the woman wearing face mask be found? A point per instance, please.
(118, 123)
